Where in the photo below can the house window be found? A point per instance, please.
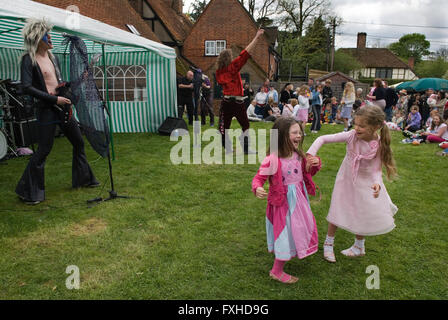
(125, 83)
(214, 48)
(383, 73)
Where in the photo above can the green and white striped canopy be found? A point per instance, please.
(121, 47)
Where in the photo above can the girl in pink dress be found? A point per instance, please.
(290, 225)
(360, 203)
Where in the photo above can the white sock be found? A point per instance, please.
(328, 240)
(358, 244)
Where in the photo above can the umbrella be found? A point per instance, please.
(424, 84)
(395, 85)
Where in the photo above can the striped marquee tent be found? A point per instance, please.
(121, 49)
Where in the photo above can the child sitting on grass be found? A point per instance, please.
(437, 132)
(413, 123)
(431, 116)
(397, 121)
(289, 107)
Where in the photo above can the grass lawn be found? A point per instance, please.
(199, 233)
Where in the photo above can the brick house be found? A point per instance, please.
(107, 11)
(226, 24)
(166, 19)
(379, 62)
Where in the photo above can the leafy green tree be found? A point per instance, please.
(315, 44)
(345, 63)
(310, 49)
(432, 69)
(411, 45)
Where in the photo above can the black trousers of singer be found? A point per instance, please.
(32, 184)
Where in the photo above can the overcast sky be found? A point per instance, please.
(419, 13)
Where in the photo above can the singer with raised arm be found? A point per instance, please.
(232, 105)
(41, 79)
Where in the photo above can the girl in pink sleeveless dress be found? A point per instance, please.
(360, 203)
(290, 225)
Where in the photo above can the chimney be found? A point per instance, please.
(177, 5)
(411, 62)
(361, 43)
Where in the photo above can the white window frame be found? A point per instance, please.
(123, 73)
(220, 46)
(214, 47)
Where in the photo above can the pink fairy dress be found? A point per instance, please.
(353, 207)
(291, 228)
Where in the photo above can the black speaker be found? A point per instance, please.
(171, 124)
(24, 133)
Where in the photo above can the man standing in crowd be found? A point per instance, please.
(273, 93)
(327, 92)
(185, 96)
(391, 101)
(248, 93)
(424, 107)
(232, 105)
(207, 101)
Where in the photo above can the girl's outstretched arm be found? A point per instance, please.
(329, 138)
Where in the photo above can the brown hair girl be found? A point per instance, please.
(285, 146)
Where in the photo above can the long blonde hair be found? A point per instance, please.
(33, 32)
(303, 90)
(375, 117)
(349, 89)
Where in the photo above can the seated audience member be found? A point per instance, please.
(261, 98)
(414, 119)
(397, 121)
(268, 113)
(289, 107)
(276, 110)
(431, 116)
(251, 115)
(437, 132)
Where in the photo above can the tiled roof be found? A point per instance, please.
(179, 25)
(376, 57)
(116, 13)
(331, 74)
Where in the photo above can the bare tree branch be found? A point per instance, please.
(300, 12)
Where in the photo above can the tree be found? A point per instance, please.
(315, 44)
(432, 69)
(198, 8)
(345, 63)
(295, 14)
(250, 6)
(311, 49)
(442, 53)
(411, 45)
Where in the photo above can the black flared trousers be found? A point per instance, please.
(32, 184)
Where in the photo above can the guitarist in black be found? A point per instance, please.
(41, 78)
